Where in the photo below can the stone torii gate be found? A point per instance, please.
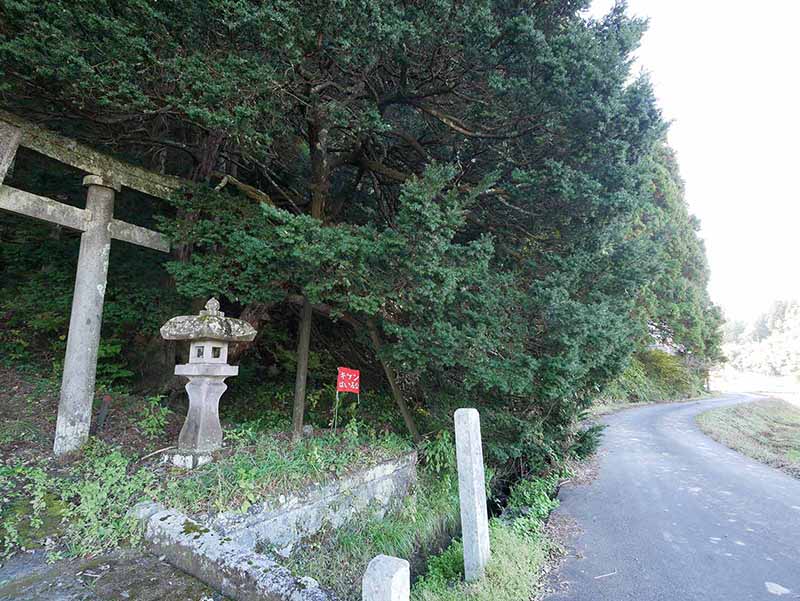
(106, 177)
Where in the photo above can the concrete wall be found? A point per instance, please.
(282, 522)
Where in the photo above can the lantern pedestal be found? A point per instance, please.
(202, 432)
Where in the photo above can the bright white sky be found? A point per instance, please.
(727, 74)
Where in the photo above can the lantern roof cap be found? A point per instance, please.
(210, 324)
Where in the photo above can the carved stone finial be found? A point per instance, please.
(212, 306)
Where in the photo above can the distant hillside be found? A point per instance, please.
(770, 345)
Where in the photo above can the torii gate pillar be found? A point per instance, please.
(83, 340)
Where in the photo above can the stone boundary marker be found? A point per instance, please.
(472, 493)
(235, 571)
(386, 579)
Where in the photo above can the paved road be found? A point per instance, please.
(674, 516)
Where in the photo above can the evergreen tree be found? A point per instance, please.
(479, 190)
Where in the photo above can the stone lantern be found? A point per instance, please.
(209, 335)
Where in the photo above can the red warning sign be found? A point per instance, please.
(349, 380)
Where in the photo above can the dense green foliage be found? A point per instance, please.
(485, 182)
(654, 375)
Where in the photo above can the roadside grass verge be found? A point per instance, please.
(519, 551)
(768, 431)
(514, 572)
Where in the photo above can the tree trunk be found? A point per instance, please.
(318, 143)
(303, 343)
(256, 314)
(398, 396)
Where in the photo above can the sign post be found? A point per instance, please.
(472, 493)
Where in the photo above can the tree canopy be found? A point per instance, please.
(486, 183)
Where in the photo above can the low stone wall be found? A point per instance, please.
(227, 550)
(281, 523)
(236, 572)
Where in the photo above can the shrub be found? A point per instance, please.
(153, 416)
(439, 453)
(535, 495)
(587, 441)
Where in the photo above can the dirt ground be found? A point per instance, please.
(561, 530)
(29, 404)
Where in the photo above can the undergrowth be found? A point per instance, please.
(259, 463)
(518, 550)
(86, 510)
(654, 375)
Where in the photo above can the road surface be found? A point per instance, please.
(674, 516)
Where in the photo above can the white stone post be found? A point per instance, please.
(80, 362)
(386, 579)
(472, 493)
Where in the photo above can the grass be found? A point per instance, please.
(768, 431)
(518, 552)
(13, 430)
(423, 525)
(86, 511)
(259, 464)
(421, 531)
(82, 508)
(513, 574)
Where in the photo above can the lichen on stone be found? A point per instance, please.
(210, 324)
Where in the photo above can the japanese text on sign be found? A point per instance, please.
(348, 380)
